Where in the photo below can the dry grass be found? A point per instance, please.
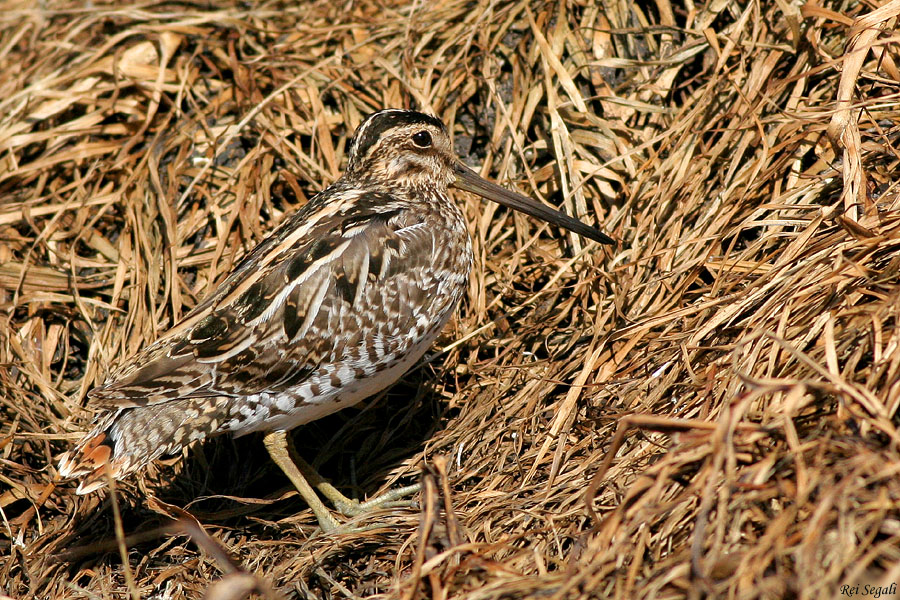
(710, 408)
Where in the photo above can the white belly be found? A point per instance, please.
(272, 413)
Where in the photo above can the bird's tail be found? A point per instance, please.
(125, 440)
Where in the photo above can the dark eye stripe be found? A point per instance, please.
(378, 123)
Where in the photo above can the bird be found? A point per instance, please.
(333, 306)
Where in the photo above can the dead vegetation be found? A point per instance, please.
(709, 409)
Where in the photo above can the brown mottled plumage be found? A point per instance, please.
(332, 307)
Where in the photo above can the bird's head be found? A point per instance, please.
(405, 148)
(402, 148)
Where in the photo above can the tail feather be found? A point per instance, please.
(125, 440)
(89, 461)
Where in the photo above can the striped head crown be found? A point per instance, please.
(402, 147)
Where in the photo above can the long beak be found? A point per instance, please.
(467, 180)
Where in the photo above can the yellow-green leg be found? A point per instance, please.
(302, 474)
(280, 449)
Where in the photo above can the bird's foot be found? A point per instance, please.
(349, 507)
(304, 477)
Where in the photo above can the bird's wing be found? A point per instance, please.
(308, 295)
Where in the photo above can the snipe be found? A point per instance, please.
(332, 307)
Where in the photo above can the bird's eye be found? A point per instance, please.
(422, 139)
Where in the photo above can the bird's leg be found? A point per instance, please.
(348, 506)
(280, 449)
(304, 477)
